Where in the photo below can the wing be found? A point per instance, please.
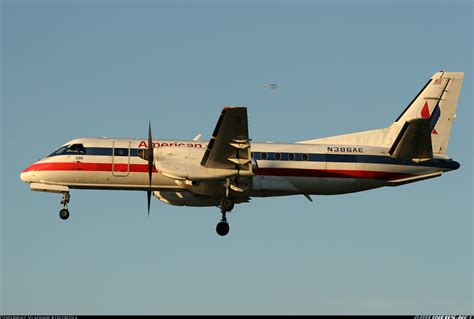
(229, 147)
(226, 164)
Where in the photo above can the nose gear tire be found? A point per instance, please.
(64, 214)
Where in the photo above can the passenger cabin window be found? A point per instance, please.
(263, 156)
(305, 157)
(277, 156)
(291, 157)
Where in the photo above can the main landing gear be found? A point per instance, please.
(226, 205)
(64, 212)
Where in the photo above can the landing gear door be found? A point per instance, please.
(121, 158)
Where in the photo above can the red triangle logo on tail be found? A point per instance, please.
(425, 113)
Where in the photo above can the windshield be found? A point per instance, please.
(69, 149)
(59, 151)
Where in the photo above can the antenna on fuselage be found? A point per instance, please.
(197, 138)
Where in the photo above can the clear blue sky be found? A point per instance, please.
(104, 68)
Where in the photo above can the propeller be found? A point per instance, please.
(147, 155)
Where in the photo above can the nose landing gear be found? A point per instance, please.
(64, 212)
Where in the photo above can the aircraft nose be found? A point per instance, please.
(27, 175)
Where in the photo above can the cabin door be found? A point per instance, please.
(121, 158)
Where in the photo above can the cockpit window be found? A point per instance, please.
(69, 149)
(75, 149)
(59, 151)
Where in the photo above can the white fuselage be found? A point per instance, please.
(280, 169)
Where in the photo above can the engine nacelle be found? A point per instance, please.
(185, 198)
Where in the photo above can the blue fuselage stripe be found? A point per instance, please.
(303, 157)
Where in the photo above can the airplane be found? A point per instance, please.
(271, 86)
(231, 169)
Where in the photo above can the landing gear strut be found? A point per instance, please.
(64, 212)
(226, 205)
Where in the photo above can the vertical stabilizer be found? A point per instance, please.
(425, 123)
(437, 101)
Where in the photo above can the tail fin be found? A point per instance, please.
(422, 130)
(437, 101)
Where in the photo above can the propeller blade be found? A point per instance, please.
(150, 153)
(149, 158)
(149, 132)
(148, 195)
(150, 171)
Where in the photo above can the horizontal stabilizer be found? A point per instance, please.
(414, 141)
(406, 180)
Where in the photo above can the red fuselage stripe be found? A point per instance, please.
(143, 168)
(89, 167)
(336, 173)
